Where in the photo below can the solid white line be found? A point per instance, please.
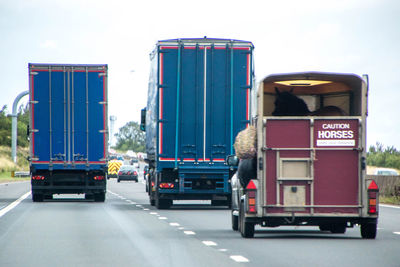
(389, 206)
(239, 258)
(189, 232)
(209, 243)
(14, 204)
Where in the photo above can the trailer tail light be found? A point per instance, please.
(167, 185)
(99, 178)
(37, 177)
(251, 191)
(373, 191)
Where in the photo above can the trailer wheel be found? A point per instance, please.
(339, 228)
(100, 197)
(37, 197)
(162, 204)
(368, 230)
(235, 222)
(246, 228)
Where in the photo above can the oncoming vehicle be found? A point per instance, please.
(127, 172)
(309, 169)
(135, 162)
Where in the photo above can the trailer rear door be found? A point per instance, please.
(312, 165)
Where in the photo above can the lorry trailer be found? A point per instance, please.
(68, 130)
(198, 100)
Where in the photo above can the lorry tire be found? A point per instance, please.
(235, 222)
(100, 197)
(246, 228)
(162, 204)
(36, 197)
(368, 230)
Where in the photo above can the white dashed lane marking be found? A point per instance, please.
(209, 243)
(189, 232)
(239, 258)
(162, 218)
(396, 233)
(174, 224)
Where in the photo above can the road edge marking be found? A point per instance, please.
(389, 206)
(14, 204)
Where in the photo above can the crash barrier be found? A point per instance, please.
(388, 185)
(17, 174)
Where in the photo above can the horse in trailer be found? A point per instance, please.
(288, 104)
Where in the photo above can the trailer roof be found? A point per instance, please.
(205, 40)
(313, 82)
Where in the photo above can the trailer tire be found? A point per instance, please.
(162, 204)
(368, 230)
(100, 197)
(235, 222)
(36, 197)
(338, 228)
(246, 228)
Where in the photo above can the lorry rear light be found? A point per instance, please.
(373, 191)
(99, 178)
(167, 185)
(38, 177)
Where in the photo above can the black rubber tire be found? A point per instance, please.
(118, 180)
(162, 204)
(324, 227)
(368, 230)
(235, 222)
(339, 228)
(246, 228)
(36, 197)
(99, 197)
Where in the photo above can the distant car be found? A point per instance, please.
(127, 172)
(135, 162)
(386, 171)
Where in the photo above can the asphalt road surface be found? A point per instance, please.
(127, 231)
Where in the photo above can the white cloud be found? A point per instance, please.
(52, 44)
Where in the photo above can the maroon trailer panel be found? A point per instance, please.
(312, 163)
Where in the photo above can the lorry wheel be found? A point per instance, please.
(163, 203)
(368, 230)
(324, 227)
(100, 197)
(235, 222)
(37, 197)
(246, 228)
(339, 228)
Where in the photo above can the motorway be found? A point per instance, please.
(126, 231)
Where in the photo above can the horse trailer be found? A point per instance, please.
(310, 168)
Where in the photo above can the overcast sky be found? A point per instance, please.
(356, 36)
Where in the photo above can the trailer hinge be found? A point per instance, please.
(34, 73)
(33, 101)
(34, 159)
(33, 130)
(103, 131)
(102, 102)
(102, 74)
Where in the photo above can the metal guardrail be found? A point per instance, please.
(20, 174)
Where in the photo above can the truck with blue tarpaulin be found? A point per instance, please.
(68, 130)
(198, 100)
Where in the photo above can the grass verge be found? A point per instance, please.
(5, 177)
(389, 200)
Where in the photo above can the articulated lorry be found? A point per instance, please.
(310, 166)
(198, 100)
(68, 130)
